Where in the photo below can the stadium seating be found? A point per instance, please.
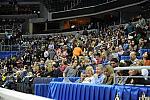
(7, 54)
(144, 50)
(128, 57)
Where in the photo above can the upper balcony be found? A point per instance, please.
(96, 9)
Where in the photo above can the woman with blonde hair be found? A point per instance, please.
(104, 57)
(89, 75)
(109, 73)
(99, 75)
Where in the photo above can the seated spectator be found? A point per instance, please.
(146, 59)
(108, 71)
(4, 76)
(127, 63)
(56, 72)
(115, 54)
(41, 72)
(49, 65)
(139, 63)
(121, 51)
(121, 80)
(104, 58)
(63, 66)
(144, 72)
(82, 77)
(132, 80)
(18, 78)
(9, 84)
(89, 75)
(24, 72)
(132, 46)
(141, 44)
(133, 57)
(114, 62)
(82, 65)
(99, 76)
(98, 58)
(64, 51)
(71, 71)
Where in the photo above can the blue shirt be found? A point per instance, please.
(99, 79)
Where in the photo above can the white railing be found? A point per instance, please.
(132, 67)
(129, 68)
(6, 94)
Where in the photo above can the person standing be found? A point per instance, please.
(46, 54)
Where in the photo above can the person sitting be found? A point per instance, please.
(71, 71)
(99, 76)
(146, 59)
(121, 74)
(89, 75)
(133, 57)
(56, 72)
(82, 77)
(114, 62)
(132, 80)
(108, 71)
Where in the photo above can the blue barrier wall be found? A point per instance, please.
(8, 54)
(76, 91)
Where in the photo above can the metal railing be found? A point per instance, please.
(12, 47)
(129, 68)
(8, 51)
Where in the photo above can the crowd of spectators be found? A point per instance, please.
(92, 56)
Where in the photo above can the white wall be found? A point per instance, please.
(6, 94)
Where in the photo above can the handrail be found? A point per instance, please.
(132, 67)
(11, 47)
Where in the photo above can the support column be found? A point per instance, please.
(46, 26)
(61, 25)
(31, 28)
(120, 17)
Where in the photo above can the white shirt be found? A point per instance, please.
(51, 46)
(89, 80)
(46, 54)
(144, 72)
